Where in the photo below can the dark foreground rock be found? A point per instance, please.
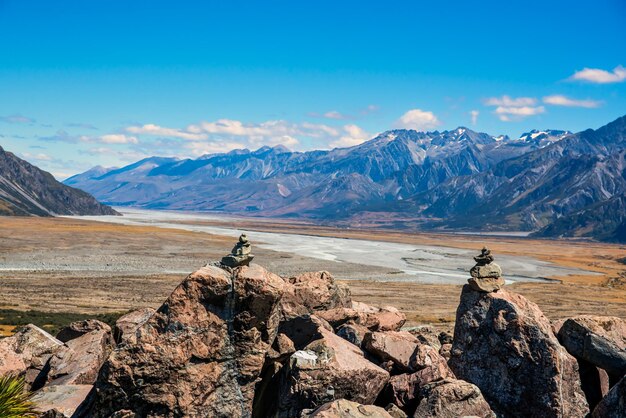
(505, 345)
(200, 354)
(613, 405)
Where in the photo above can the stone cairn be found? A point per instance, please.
(240, 255)
(486, 275)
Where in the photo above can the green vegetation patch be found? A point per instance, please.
(52, 322)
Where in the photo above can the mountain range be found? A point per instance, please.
(550, 182)
(26, 190)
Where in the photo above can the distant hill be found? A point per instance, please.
(550, 182)
(27, 190)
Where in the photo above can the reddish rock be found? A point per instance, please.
(80, 328)
(78, 362)
(200, 354)
(27, 352)
(505, 345)
(613, 405)
(319, 291)
(397, 346)
(342, 408)
(127, 325)
(453, 398)
(64, 399)
(338, 316)
(327, 369)
(387, 318)
(445, 351)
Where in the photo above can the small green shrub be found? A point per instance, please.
(15, 401)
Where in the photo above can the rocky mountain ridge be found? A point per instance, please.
(26, 190)
(451, 180)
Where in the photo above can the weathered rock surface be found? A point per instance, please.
(200, 354)
(397, 346)
(338, 316)
(598, 340)
(319, 291)
(613, 405)
(452, 398)
(487, 284)
(386, 318)
(27, 352)
(342, 408)
(126, 325)
(80, 359)
(505, 345)
(80, 328)
(426, 334)
(65, 399)
(327, 369)
(486, 271)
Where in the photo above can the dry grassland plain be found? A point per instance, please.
(65, 265)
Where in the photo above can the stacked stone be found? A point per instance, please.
(486, 275)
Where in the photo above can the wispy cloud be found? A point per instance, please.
(599, 76)
(331, 114)
(156, 130)
(81, 125)
(511, 114)
(510, 101)
(418, 119)
(17, 118)
(116, 139)
(474, 115)
(63, 136)
(510, 109)
(560, 100)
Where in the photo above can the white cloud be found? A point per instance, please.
(510, 114)
(118, 139)
(36, 157)
(599, 76)
(510, 101)
(560, 100)
(418, 119)
(156, 130)
(509, 109)
(354, 135)
(474, 115)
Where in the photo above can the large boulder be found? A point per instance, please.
(386, 318)
(598, 340)
(505, 345)
(319, 291)
(80, 328)
(65, 399)
(80, 359)
(396, 346)
(342, 408)
(127, 325)
(452, 398)
(326, 369)
(613, 405)
(200, 354)
(27, 352)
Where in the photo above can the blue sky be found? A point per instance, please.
(84, 83)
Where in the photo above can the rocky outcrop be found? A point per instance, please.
(127, 325)
(600, 341)
(386, 318)
(505, 345)
(319, 291)
(27, 352)
(452, 398)
(200, 354)
(326, 369)
(613, 405)
(80, 359)
(80, 328)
